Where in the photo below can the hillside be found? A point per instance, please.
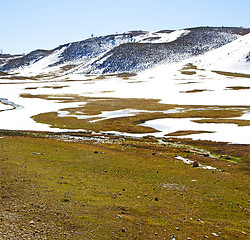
(128, 52)
(233, 57)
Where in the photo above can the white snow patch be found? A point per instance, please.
(187, 161)
(104, 115)
(158, 37)
(231, 133)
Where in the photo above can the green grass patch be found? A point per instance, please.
(117, 190)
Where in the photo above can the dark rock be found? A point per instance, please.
(195, 164)
(123, 229)
(156, 199)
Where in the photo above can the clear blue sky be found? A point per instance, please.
(27, 25)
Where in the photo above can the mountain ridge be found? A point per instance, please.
(132, 52)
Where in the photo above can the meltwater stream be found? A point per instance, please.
(5, 103)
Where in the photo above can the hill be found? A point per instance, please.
(132, 51)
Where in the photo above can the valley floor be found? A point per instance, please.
(111, 157)
(85, 186)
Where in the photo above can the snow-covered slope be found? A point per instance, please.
(132, 51)
(137, 56)
(232, 57)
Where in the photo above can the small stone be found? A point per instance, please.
(188, 238)
(118, 216)
(95, 152)
(153, 154)
(123, 229)
(199, 220)
(215, 234)
(157, 171)
(195, 164)
(123, 189)
(205, 236)
(105, 170)
(177, 229)
(156, 199)
(31, 222)
(244, 233)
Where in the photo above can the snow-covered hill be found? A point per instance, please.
(232, 57)
(132, 51)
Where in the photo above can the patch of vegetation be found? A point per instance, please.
(230, 74)
(190, 66)
(186, 132)
(121, 124)
(31, 88)
(187, 83)
(187, 72)
(67, 67)
(131, 124)
(3, 73)
(237, 88)
(118, 191)
(239, 122)
(196, 91)
(56, 87)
